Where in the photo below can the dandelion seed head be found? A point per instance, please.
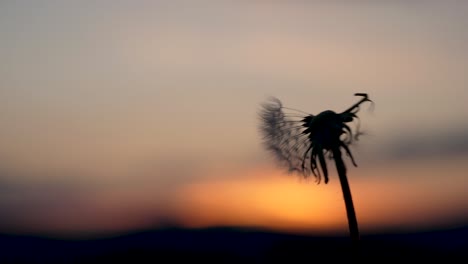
(300, 142)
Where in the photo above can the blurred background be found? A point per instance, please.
(128, 115)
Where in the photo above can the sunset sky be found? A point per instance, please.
(124, 115)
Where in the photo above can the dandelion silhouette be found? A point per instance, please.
(300, 142)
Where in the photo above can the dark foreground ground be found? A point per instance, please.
(223, 245)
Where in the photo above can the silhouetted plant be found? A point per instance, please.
(300, 141)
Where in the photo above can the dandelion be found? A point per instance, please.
(301, 142)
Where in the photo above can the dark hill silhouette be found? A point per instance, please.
(233, 245)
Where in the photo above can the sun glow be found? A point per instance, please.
(273, 200)
(276, 201)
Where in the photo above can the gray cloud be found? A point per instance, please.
(58, 202)
(449, 143)
(28, 201)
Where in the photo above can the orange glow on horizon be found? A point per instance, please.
(270, 199)
(264, 198)
(398, 197)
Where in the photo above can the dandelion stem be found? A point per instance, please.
(352, 221)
